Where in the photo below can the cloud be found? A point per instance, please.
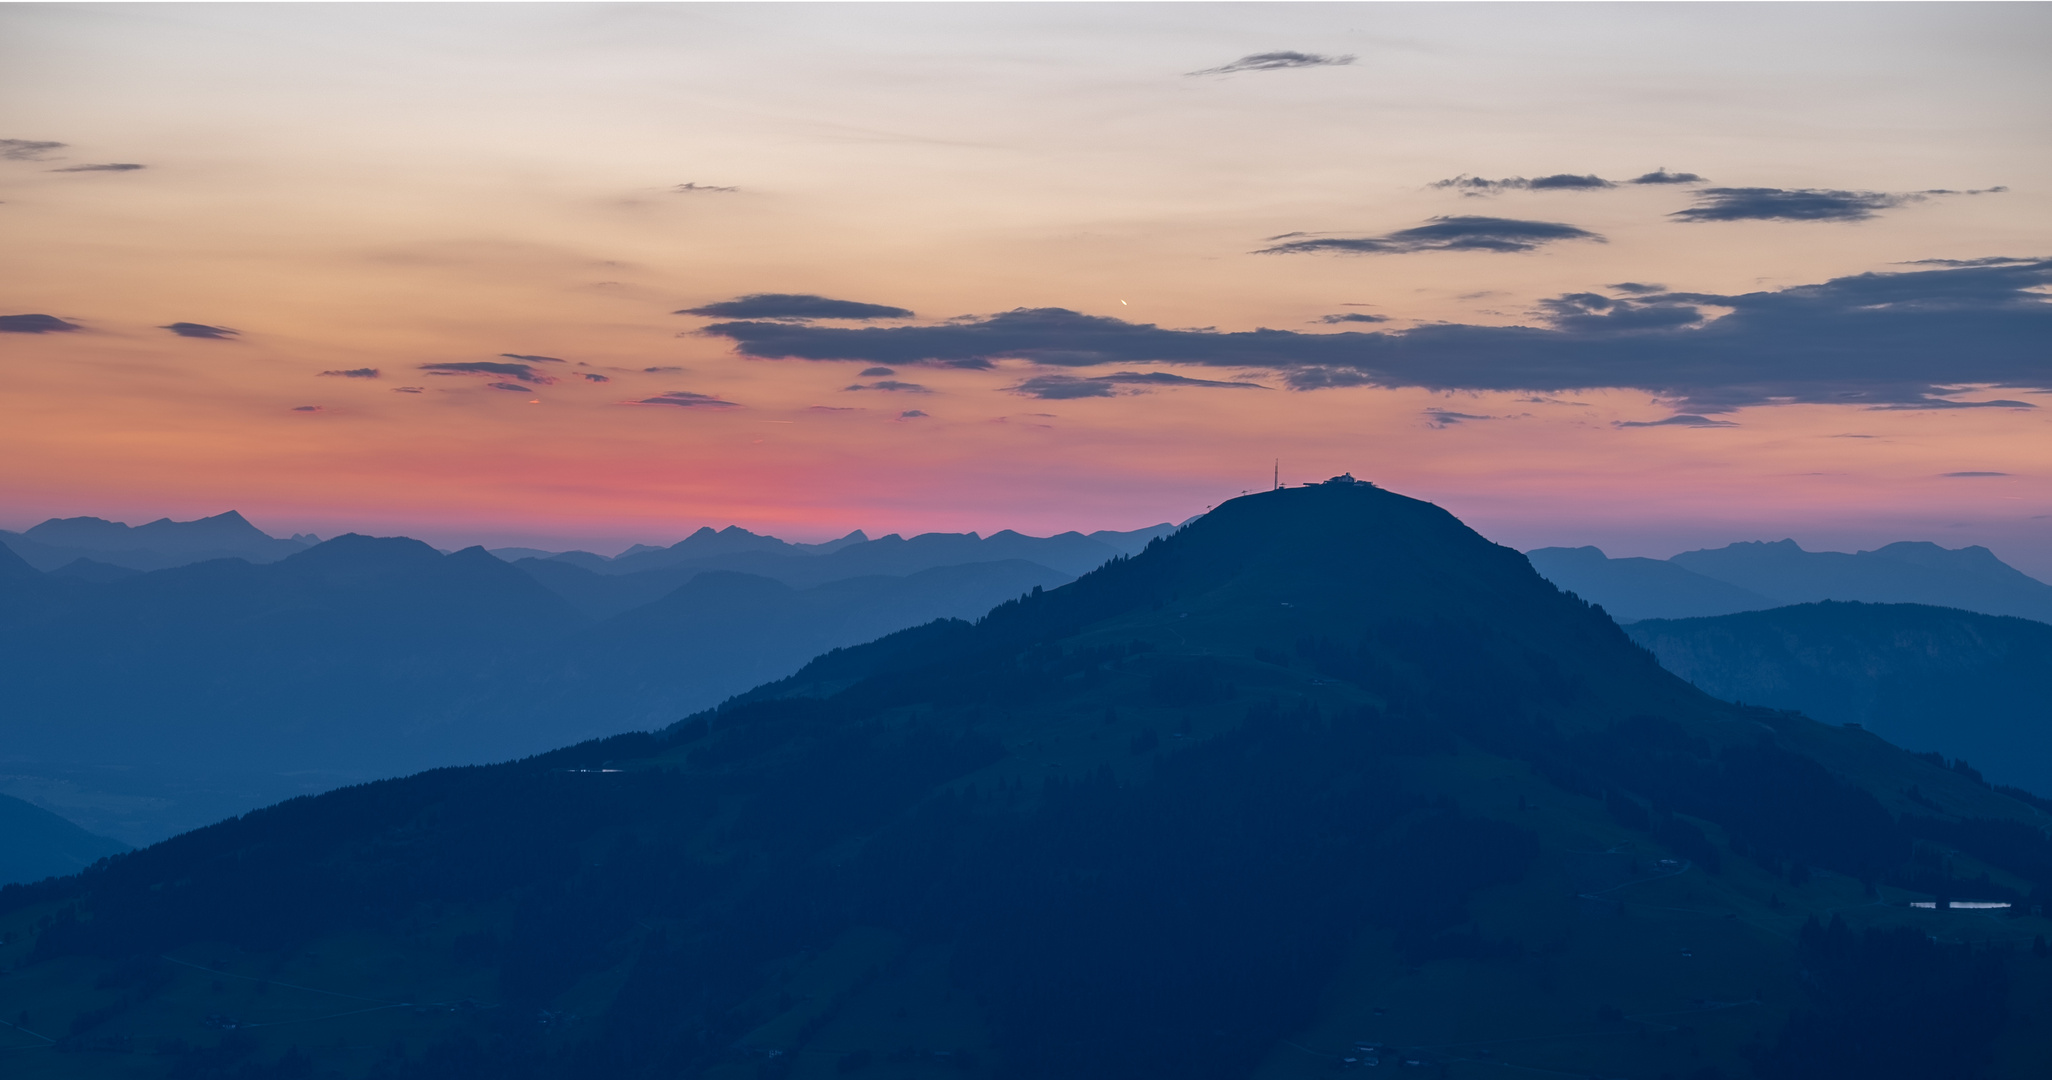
(533, 359)
(1462, 233)
(1475, 185)
(1942, 403)
(910, 414)
(513, 386)
(35, 324)
(1071, 387)
(1890, 340)
(1977, 473)
(711, 189)
(1446, 418)
(1991, 260)
(873, 372)
(891, 385)
(1802, 204)
(1276, 61)
(670, 370)
(355, 373)
(200, 330)
(589, 377)
(409, 389)
(26, 149)
(308, 408)
(1635, 288)
(685, 399)
(1662, 176)
(1354, 316)
(833, 408)
(794, 306)
(112, 166)
(1682, 420)
(522, 372)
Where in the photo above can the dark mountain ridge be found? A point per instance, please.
(1324, 777)
(157, 545)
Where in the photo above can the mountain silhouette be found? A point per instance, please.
(1935, 679)
(1758, 575)
(1322, 778)
(155, 546)
(37, 844)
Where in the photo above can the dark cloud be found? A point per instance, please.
(35, 324)
(794, 306)
(112, 166)
(1802, 204)
(874, 372)
(1939, 403)
(710, 189)
(596, 378)
(685, 399)
(1446, 418)
(533, 359)
(1635, 288)
(833, 408)
(1977, 473)
(1683, 420)
(355, 373)
(522, 372)
(1662, 176)
(307, 408)
(200, 330)
(513, 386)
(1461, 233)
(409, 389)
(26, 149)
(1354, 316)
(910, 414)
(1886, 340)
(1276, 61)
(891, 385)
(1071, 387)
(1992, 260)
(671, 370)
(1476, 185)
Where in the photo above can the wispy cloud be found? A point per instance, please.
(874, 372)
(910, 414)
(1354, 317)
(27, 149)
(711, 189)
(794, 306)
(35, 324)
(200, 330)
(355, 373)
(1280, 60)
(1476, 185)
(1681, 420)
(1072, 387)
(589, 377)
(409, 389)
(685, 399)
(1803, 204)
(308, 408)
(892, 386)
(1662, 176)
(491, 368)
(1976, 472)
(533, 359)
(1903, 340)
(1460, 233)
(1446, 418)
(112, 166)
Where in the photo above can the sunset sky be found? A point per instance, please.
(1650, 277)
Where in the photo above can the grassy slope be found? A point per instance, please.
(1600, 983)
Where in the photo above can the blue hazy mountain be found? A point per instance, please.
(160, 544)
(1323, 776)
(1634, 588)
(36, 844)
(1971, 686)
(1758, 575)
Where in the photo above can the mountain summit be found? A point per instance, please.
(1324, 779)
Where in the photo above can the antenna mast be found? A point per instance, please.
(1276, 482)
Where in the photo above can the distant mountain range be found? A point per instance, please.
(59, 543)
(1756, 576)
(1976, 687)
(1324, 780)
(36, 844)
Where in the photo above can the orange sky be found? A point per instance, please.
(388, 186)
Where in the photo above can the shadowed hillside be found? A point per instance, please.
(1325, 777)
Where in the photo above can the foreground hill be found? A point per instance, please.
(1322, 779)
(1927, 678)
(35, 843)
(1754, 576)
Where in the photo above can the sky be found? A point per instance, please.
(1650, 277)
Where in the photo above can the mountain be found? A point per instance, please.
(1969, 685)
(1322, 779)
(160, 544)
(1754, 576)
(1632, 589)
(36, 844)
(1904, 573)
